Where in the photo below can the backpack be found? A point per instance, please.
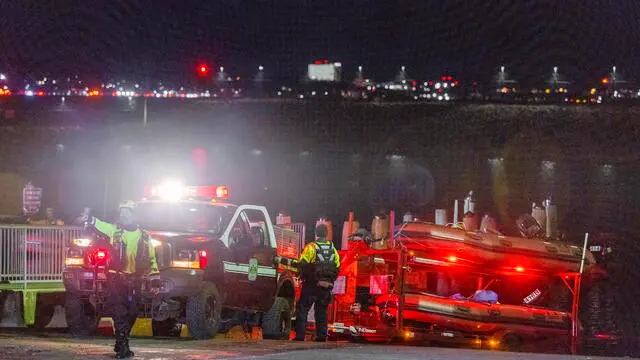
(325, 266)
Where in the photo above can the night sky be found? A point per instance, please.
(469, 39)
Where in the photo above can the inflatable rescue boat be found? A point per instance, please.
(425, 311)
(477, 248)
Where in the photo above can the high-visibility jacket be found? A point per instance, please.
(320, 261)
(131, 241)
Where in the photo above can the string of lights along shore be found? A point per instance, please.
(329, 79)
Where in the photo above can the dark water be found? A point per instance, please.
(314, 159)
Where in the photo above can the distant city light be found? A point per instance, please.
(403, 68)
(548, 166)
(221, 68)
(3, 77)
(501, 69)
(260, 68)
(360, 68)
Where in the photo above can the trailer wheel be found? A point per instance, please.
(511, 342)
(82, 318)
(203, 313)
(276, 324)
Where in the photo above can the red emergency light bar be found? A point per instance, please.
(176, 191)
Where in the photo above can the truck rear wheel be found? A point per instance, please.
(81, 316)
(203, 313)
(276, 324)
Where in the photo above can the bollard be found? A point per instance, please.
(11, 310)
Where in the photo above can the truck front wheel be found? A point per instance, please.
(276, 324)
(81, 316)
(203, 313)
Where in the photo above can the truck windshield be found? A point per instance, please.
(183, 217)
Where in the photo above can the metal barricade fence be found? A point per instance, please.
(34, 253)
(301, 229)
(290, 239)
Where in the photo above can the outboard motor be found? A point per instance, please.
(529, 227)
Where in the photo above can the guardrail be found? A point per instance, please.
(34, 253)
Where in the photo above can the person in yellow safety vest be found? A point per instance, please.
(132, 260)
(319, 266)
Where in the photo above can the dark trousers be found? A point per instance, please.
(123, 297)
(310, 295)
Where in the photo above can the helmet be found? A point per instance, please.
(127, 204)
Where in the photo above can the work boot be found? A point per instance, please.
(125, 354)
(123, 351)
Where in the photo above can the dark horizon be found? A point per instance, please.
(470, 41)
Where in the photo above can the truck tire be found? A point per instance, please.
(203, 313)
(81, 316)
(276, 324)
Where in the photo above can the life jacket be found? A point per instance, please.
(325, 262)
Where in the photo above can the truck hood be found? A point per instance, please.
(180, 237)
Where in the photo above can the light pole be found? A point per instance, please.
(501, 77)
(259, 79)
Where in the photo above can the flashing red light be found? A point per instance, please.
(98, 256)
(177, 191)
(449, 78)
(318, 62)
(326, 61)
(455, 83)
(452, 259)
(222, 192)
(444, 78)
(430, 83)
(519, 269)
(605, 80)
(203, 258)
